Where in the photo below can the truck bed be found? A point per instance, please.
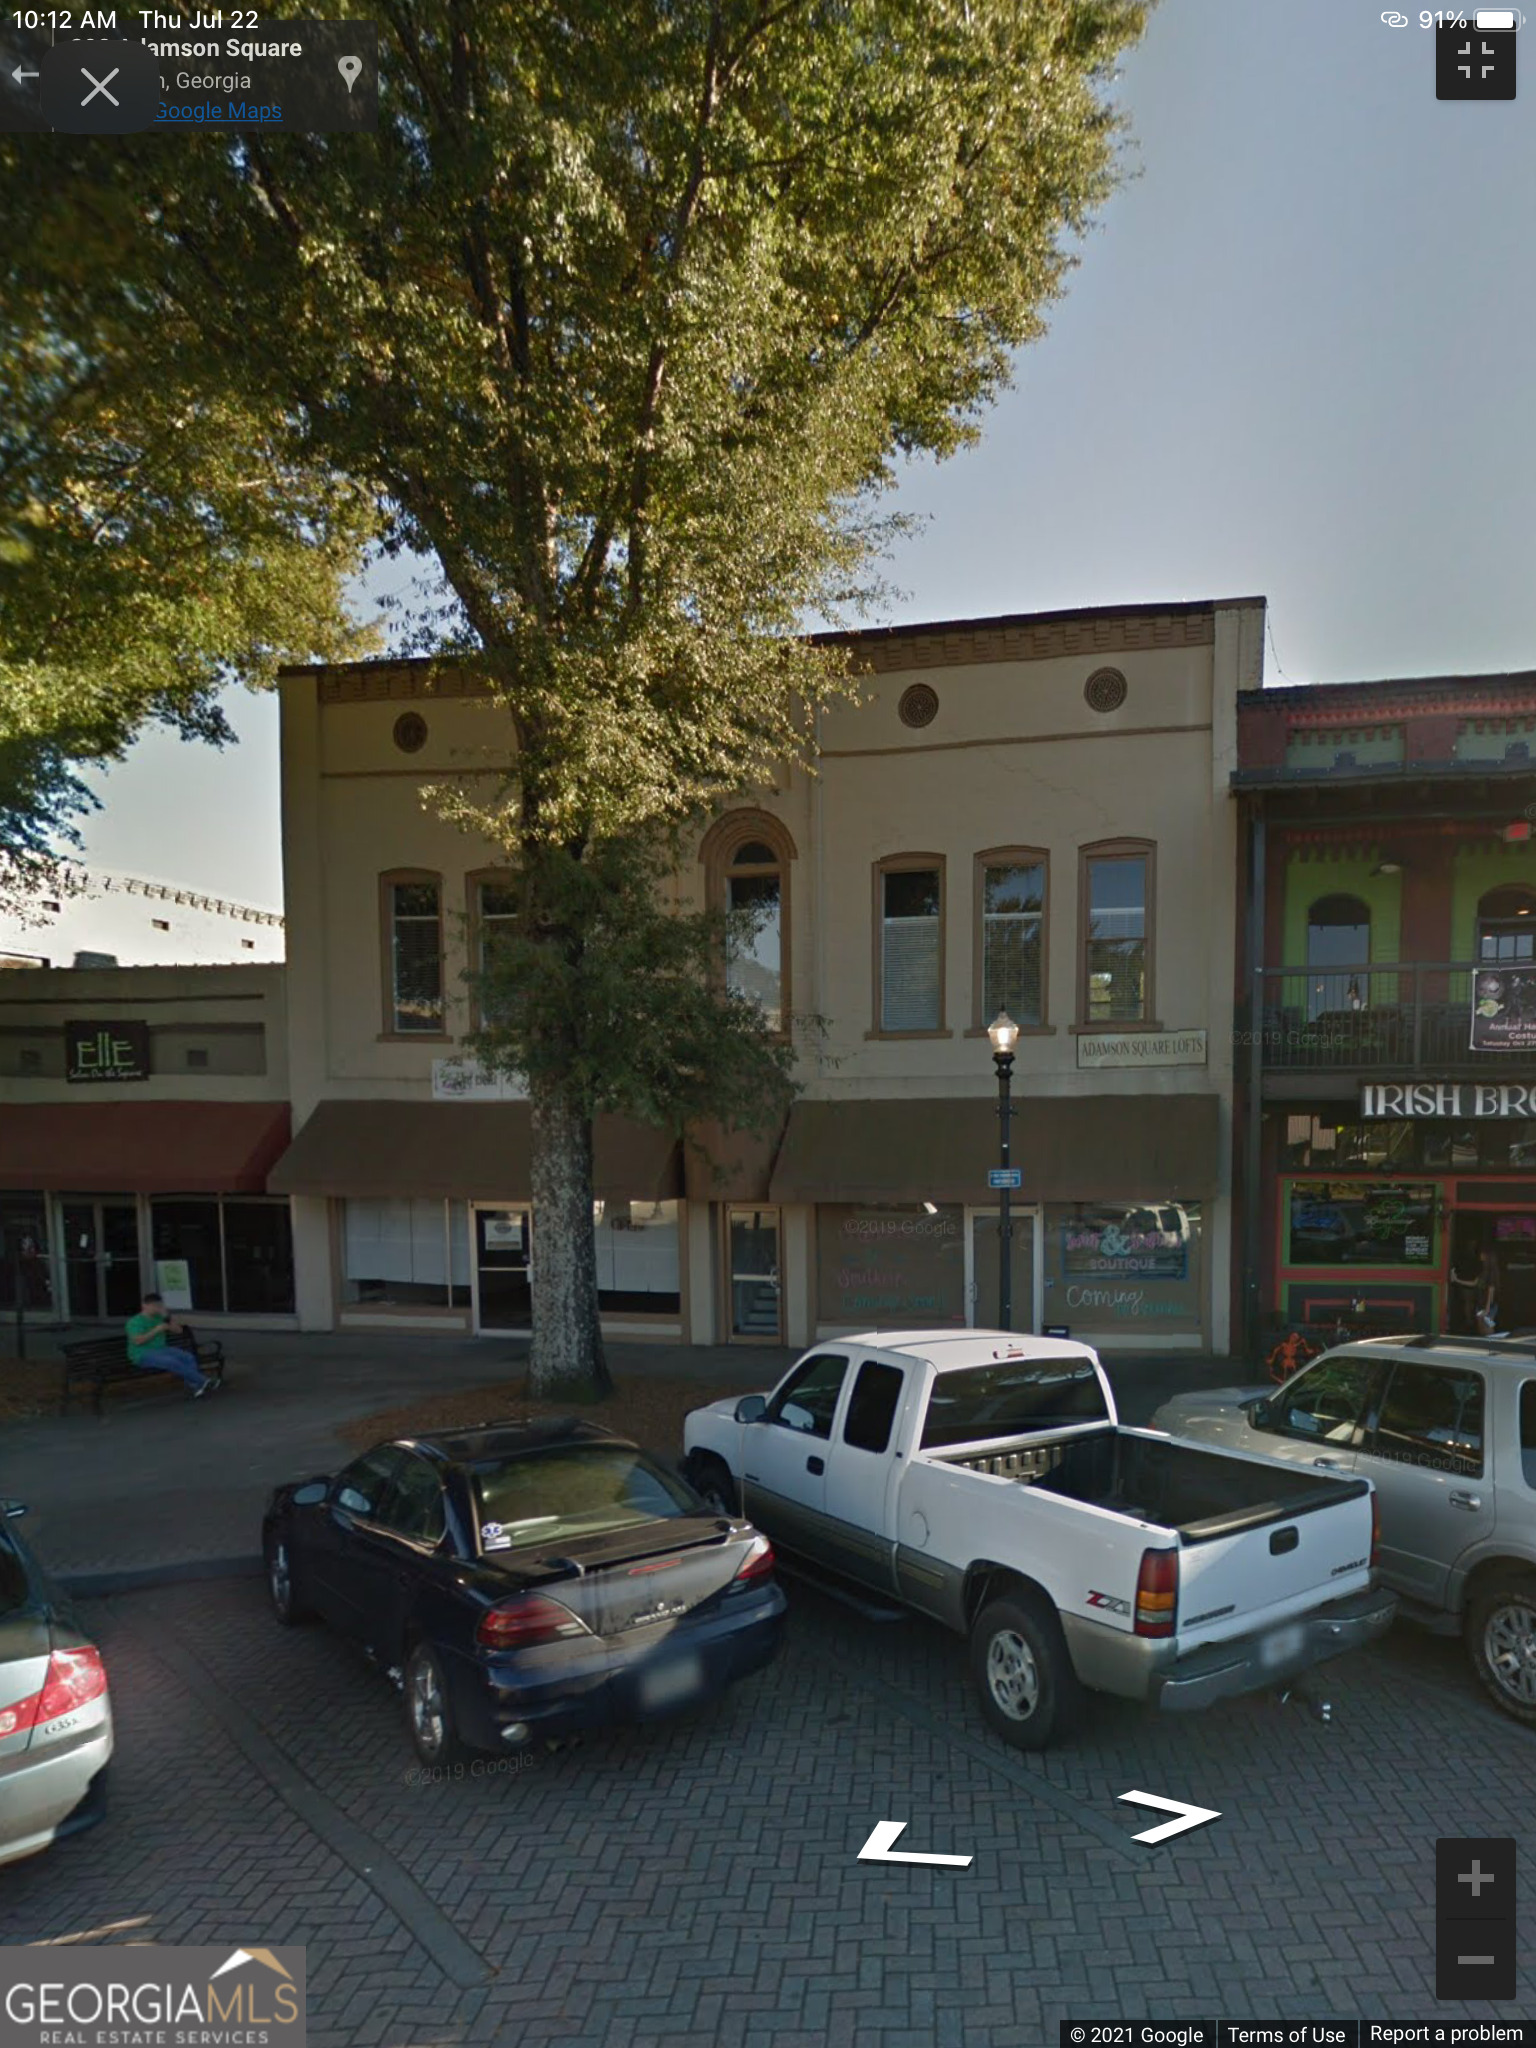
(1200, 1494)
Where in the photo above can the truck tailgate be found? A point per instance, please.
(1258, 1565)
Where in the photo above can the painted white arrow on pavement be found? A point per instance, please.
(1185, 1815)
(878, 1848)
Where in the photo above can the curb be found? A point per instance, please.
(141, 1578)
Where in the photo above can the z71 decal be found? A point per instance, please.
(1108, 1600)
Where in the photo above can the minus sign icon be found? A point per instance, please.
(1475, 1959)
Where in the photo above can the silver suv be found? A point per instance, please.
(1445, 1427)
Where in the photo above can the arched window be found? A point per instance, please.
(747, 857)
(1338, 954)
(1506, 924)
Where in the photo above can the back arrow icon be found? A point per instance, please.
(1186, 1815)
(878, 1848)
(18, 74)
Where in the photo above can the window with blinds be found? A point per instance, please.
(911, 950)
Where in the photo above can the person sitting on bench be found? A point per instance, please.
(149, 1345)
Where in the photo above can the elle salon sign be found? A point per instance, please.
(97, 1051)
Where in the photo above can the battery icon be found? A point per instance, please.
(1497, 17)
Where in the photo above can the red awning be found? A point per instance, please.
(142, 1148)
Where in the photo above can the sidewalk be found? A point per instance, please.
(160, 1482)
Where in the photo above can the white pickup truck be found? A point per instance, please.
(982, 1478)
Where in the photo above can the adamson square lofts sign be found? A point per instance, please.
(1448, 1098)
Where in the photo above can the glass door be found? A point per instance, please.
(104, 1280)
(752, 1262)
(503, 1295)
(983, 1269)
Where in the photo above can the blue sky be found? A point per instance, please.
(1295, 360)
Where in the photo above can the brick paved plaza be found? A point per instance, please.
(700, 1884)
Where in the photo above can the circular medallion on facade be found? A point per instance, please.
(1105, 689)
(410, 732)
(919, 705)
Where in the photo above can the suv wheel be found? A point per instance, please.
(1501, 1638)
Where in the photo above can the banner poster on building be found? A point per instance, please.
(1362, 1223)
(1504, 1009)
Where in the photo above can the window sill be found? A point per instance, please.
(415, 1038)
(1116, 1030)
(944, 1033)
(1025, 1031)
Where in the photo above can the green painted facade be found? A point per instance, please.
(1314, 874)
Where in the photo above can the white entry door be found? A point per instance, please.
(983, 1269)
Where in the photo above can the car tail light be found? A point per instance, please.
(530, 1618)
(1157, 1592)
(1375, 1528)
(74, 1678)
(758, 1562)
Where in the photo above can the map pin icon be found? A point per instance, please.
(351, 69)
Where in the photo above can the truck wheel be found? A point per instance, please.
(1022, 1671)
(1501, 1641)
(712, 1481)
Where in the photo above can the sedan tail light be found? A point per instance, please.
(1157, 1593)
(73, 1679)
(529, 1618)
(758, 1562)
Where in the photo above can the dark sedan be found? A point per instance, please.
(525, 1580)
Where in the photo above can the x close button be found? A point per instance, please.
(100, 88)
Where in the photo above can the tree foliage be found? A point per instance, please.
(157, 541)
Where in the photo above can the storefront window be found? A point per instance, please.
(637, 1258)
(24, 1252)
(396, 1254)
(890, 1264)
(258, 1257)
(218, 1254)
(1120, 1266)
(1360, 1223)
(184, 1233)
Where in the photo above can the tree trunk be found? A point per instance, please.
(567, 1354)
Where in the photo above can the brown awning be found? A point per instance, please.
(479, 1149)
(141, 1148)
(729, 1166)
(1081, 1148)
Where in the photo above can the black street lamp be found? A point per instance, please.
(1004, 1034)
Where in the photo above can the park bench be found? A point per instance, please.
(100, 1362)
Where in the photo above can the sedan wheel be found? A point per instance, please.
(1501, 1635)
(427, 1709)
(286, 1603)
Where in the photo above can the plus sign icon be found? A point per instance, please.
(1475, 55)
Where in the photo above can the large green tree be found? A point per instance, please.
(629, 312)
(156, 539)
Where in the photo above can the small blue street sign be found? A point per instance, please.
(1005, 1177)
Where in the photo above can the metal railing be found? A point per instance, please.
(1403, 1015)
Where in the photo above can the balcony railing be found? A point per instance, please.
(1404, 1015)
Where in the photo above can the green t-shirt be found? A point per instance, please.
(138, 1326)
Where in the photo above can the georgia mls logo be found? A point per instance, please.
(152, 1997)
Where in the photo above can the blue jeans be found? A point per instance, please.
(164, 1359)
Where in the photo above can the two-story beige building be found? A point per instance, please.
(1029, 814)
